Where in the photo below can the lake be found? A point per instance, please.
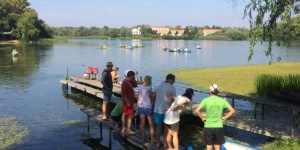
(31, 91)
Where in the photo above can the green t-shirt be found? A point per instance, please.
(214, 106)
(118, 110)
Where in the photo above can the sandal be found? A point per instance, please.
(130, 133)
(106, 119)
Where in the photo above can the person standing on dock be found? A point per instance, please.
(127, 95)
(213, 132)
(107, 88)
(162, 91)
(172, 116)
(145, 109)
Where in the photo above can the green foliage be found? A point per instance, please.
(264, 15)
(236, 34)
(23, 21)
(283, 144)
(266, 83)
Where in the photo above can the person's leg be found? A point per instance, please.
(217, 147)
(104, 105)
(209, 147)
(174, 131)
(129, 121)
(169, 137)
(165, 137)
(158, 132)
(123, 123)
(142, 126)
(151, 128)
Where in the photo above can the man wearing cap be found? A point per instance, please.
(106, 81)
(213, 132)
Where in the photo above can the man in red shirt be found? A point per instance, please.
(127, 94)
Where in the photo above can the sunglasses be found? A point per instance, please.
(109, 65)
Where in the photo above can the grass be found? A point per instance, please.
(266, 84)
(234, 79)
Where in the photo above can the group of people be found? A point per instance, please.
(162, 107)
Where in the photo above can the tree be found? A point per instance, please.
(264, 15)
(26, 25)
(186, 31)
(178, 27)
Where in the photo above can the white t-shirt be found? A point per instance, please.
(162, 91)
(144, 95)
(171, 116)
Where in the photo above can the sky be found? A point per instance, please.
(130, 13)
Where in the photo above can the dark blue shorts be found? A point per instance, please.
(146, 111)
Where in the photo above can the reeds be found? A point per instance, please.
(266, 83)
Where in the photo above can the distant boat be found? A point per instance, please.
(129, 47)
(198, 46)
(180, 51)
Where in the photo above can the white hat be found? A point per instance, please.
(213, 87)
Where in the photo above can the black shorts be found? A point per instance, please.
(213, 136)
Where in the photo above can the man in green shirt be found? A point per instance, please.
(213, 132)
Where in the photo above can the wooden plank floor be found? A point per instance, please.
(133, 139)
(273, 129)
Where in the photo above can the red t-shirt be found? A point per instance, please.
(127, 91)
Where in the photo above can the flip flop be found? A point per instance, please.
(131, 133)
(106, 119)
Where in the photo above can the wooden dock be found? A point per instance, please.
(260, 125)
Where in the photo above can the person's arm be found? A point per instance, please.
(198, 112)
(152, 97)
(104, 74)
(180, 104)
(138, 102)
(124, 88)
(230, 113)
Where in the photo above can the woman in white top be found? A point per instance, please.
(172, 116)
(145, 107)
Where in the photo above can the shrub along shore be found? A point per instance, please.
(234, 79)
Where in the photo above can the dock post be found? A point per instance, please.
(88, 119)
(263, 111)
(67, 73)
(232, 101)
(100, 125)
(109, 141)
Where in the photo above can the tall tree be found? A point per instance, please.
(27, 25)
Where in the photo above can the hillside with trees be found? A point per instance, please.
(16, 16)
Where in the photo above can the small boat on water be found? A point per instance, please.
(122, 46)
(180, 50)
(129, 47)
(198, 46)
(103, 46)
(15, 53)
(165, 48)
(138, 45)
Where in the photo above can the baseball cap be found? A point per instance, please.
(213, 88)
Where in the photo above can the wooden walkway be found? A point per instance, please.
(136, 139)
(272, 128)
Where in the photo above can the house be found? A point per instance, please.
(180, 32)
(162, 32)
(136, 31)
(159, 28)
(210, 31)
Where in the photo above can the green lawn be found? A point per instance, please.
(234, 79)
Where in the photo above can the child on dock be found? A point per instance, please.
(116, 113)
(144, 105)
